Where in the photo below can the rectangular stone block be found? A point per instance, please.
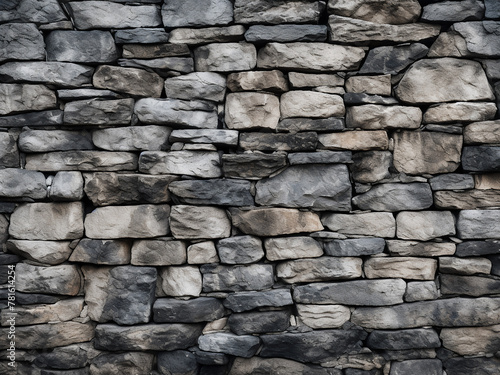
(63, 279)
(204, 164)
(99, 112)
(400, 267)
(158, 252)
(253, 277)
(191, 222)
(319, 269)
(378, 224)
(477, 224)
(355, 140)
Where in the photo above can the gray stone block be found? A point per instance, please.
(203, 309)
(240, 250)
(259, 322)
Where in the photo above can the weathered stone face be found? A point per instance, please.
(474, 224)
(21, 42)
(17, 97)
(292, 248)
(207, 35)
(225, 57)
(259, 322)
(403, 267)
(286, 33)
(237, 278)
(111, 252)
(158, 252)
(190, 222)
(244, 301)
(374, 117)
(252, 110)
(99, 112)
(132, 81)
(425, 225)
(181, 281)
(252, 166)
(63, 279)
(190, 13)
(202, 85)
(376, 224)
(240, 250)
(203, 164)
(319, 269)
(355, 140)
(311, 104)
(48, 252)
(276, 11)
(392, 12)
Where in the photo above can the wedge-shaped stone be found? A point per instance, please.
(427, 152)
(109, 252)
(349, 30)
(142, 35)
(41, 12)
(323, 316)
(478, 224)
(471, 340)
(356, 293)
(460, 112)
(82, 161)
(47, 221)
(158, 252)
(319, 269)
(393, 59)
(240, 250)
(18, 183)
(190, 222)
(481, 158)
(254, 365)
(273, 80)
(474, 286)
(237, 278)
(244, 301)
(112, 337)
(203, 309)
(252, 166)
(453, 11)
(225, 192)
(221, 342)
(81, 46)
(355, 140)
(331, 189)
(249, 110)
(199, 85)
(408, 339)
(375, 117)
(21, 41)
(259, 322)
(47, 336)
(225, 57)
(464, 266)
(204, 164)
(314, 57)
(305, 141)
(137, 82)
(109, 15)
(435, 80)
(132, 138)
(214, 136)
(140, 221)
(192, 114)
(426, 249)
(355, 247)
(292, 248)
(315, 347)
(378, 224)
(275, 221)
(54, 140)
(207, 35)
(184, 281)
(47, 252)
(425, 225)
(286, 33)
(122, 363)
(467, 200)
(63, 279)
(475, 248)
(403, 267)
(15, 97)
(482, 132)
(192, 13)
(99, 112)
(277, 11)
(311, 104)
(379, 11)
(453, 312)
(395, 197)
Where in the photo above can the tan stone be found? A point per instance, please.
(311, 104)
(299, 80)
(449, 44)
(273, 80)
(487, 181)
(128, 80)
(377, 224)
(61, 311)
(181, 281)
(48, 252)
(460, 112)
(250, 110)
(323, 316)
(415, 248)
(379, 11)
(64, 279)
(319, 269)
(425, 225)
(473, 341)
(355, 140)
(372, 116)
(467, 200)
(374, 85)
(400, 267)
(464, 266)
(482, 132)
(202, 253)
(292, 248)
(193, 222)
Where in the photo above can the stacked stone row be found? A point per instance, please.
(250, 187)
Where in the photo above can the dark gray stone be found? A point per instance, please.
(477, 248)
(492, 68)
(7, 207)
(252, 166)
(417, 366)
(146, 337)
(474, 286)
(99, 112)
(357, 292)
(161, 66)
(66, 357)
(286, 33)
(8, 259)
(9, 153)
(452, 181)
(224, 192)
(80, 371)
(79, 94)
(222, 137)
(371, 166)
(121, 364)
(448, 11)
(37, 11)
(81, 46)
(259, 322)
(492, 9)
(307, 124)
(154, 51)
(279, 142)
(207, 358)
(203, 309)
(21, 41)
(241, 346)
(237, 278)
(101, 251)
(450, 129)
(244, 301)
(355, 371)
(177, 362)
(277, 11)
(320, 157)
(393, 59)
(467, 366)
(141, 35)
(315, 347)
(481, 158)
(54, 140)
(102, 188)
(495, 264)
(261, 366)
(481, 37)
(293, 187)
(240, 250)
(35, 298)
(353, 98)
(420, 338)
(395, 197)
(32, 119)
(161, 251)
(355, 247)
(193, 13)
(478, 224)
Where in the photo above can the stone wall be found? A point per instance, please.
(250, 187)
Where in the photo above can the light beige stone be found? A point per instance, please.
(225, 57)
(319, 269)
(250, 110)
(377, 224)
(449, 44)
(300, 80)
(421, 291)
(202, 253)
(273, 80)
(311, 104)
(467, 199)
(425, 225)
(47, 221)
(374, 85)
(355, 140)
(400, 267)
(292, 248)
(193, 222)
(181, 281)
(487, 181)
(204, 164)
(15, 97)
(379, 11)
(63, 279)
(464, 266)
(48, 252)
(427, 152)
(472, 341)
(323, 316)
(415, 248)
(460, 112)
(140, 221)
(372, 116)
(482, 132)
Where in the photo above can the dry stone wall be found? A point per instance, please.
(250, 187)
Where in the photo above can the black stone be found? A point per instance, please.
(450, 129)
(214, 370)
(478, 248)
(474, 286)
(178, 362)
(481, 158)
(31, 119)
(245, 301)
(286, 33)
(99, 251)
(259, 322)
(468, 366)
(208, 358)
(393, 59)
(75, 356)
(223, 192)
(420, 338)
(452, 181)
(307, 124)
(315, 347)
(355, 247)
(9, 258)
(495, 264)
(252, 166)
(355, 371)
(353, 98)
(279, 142)
(417, 366)
(203, 309)
(33, 299)
(80, 371)
(7, 207)
(320, 157)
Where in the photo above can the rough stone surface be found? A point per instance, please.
(47, 252)
(311, 104)
(42, 12)
(392, 12)
(305, 141)
(112, 252)
(475, 248)
(474, 224)
(252, 166)
(54, 140)
(464, 266)
(132, 138)
(425, 225)
(21, 42)
(286, 33)
(131, 81)
(379, 224)
(142, 35)
(471, 341)
(355, 140)
(273, 81)
(393, 59)
(467, 200)
(482, 132)
(259, 322)
(9, 150)
(226, 192)
(319, 269)
(214, 136)
(419, 338)
(375, 117)
(256, 365)
(320, 157)
(461, 366)
(158, 252)
(203, 164)
(203, 309)
(248, 110)
(292, 248)
(207, 35)
(371, 166)
(276, 11)
(225, 57)
(181, 281)
(63, 279)
(237, 278)
(421, 291)
(99, 112)
(427, 366)
(321, 317)
(244, 301)
(355, 247)
(202, 85)
(67, 186)
(190, 222)
(403, 267)
(19, 97)
(123, 363)
(240, 250)
(177, 362)
(16, 183)
(460, 112)
(241, 346)
(189, 13)
(414, 248)
(452, 181)
(474, 286)
(481, 158)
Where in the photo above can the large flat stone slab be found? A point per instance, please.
(378, 224)
(18, 183)
(471, 340)
(286, 33)
(225, 57)
(99, 112)
(237, 345)
(203, 309)
(319, 269)
(252, 110)
(481, 158)
(15, 97)
(199, 85)
(244, 301)
(295, 247)
(375, 117)
(252, 166)
(400, 267)
(63, 279)
(391, 12)
(163, 251)
(203, 164)
(355, 140)
(186, 35)
(467, 200)
(225, 192)
(41, 12)
(311, 104)
(419, 338)
(47, 252)
(108, 252)
(305, 141)
(425, 225)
